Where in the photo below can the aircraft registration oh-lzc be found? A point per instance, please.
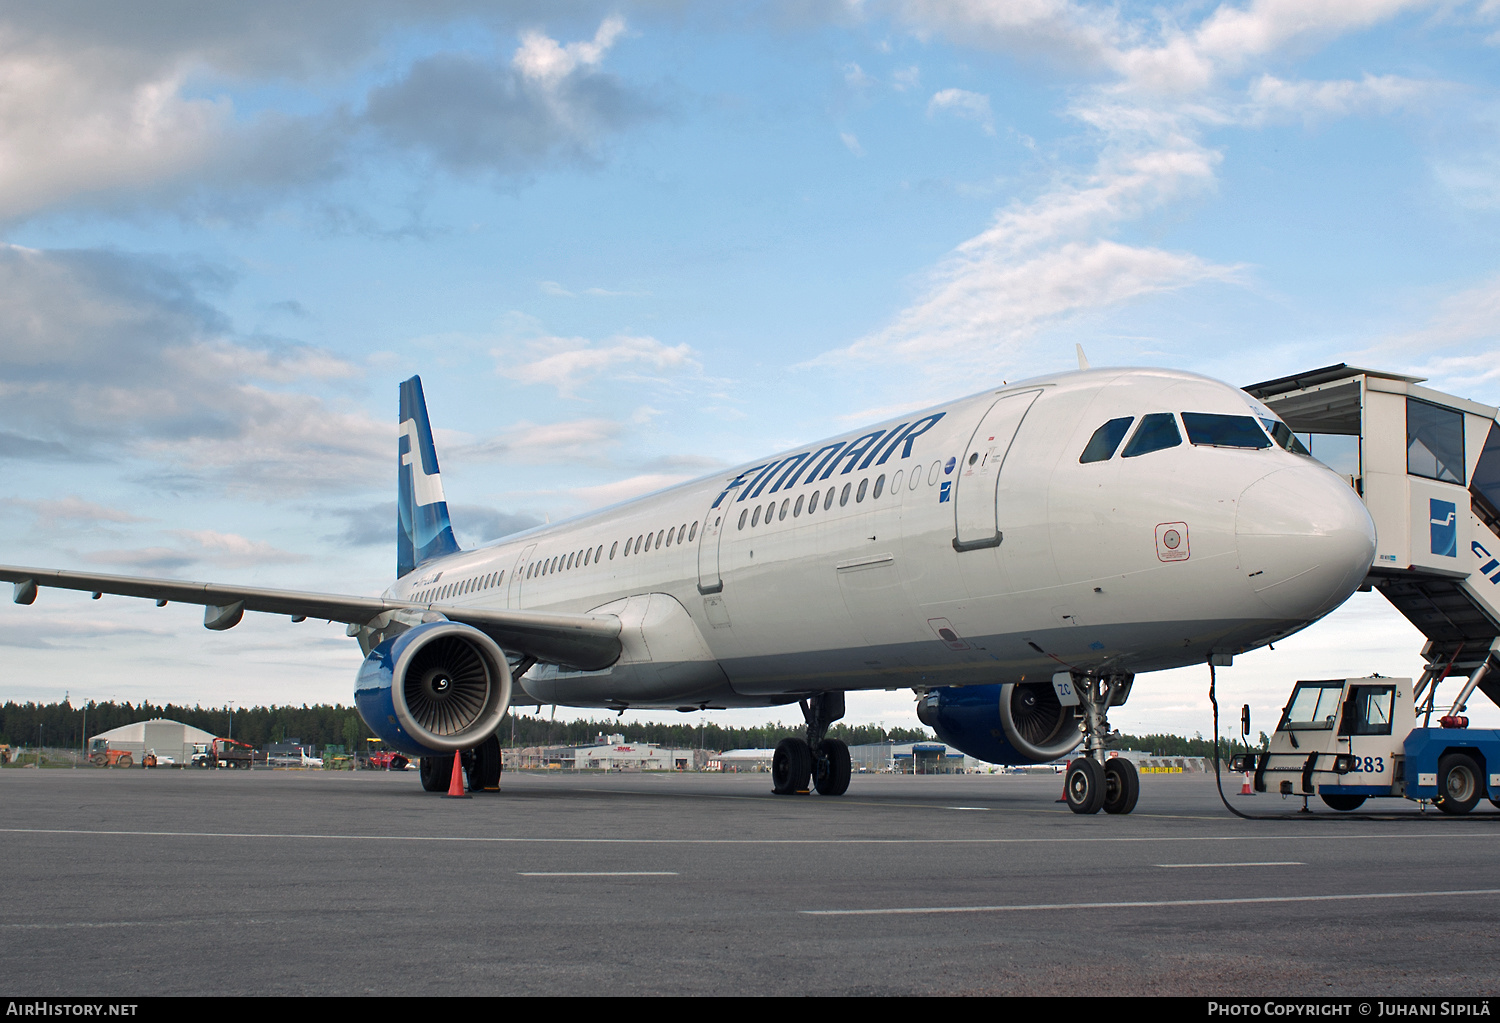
(1015, 557)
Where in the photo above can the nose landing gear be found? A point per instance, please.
(1096, 781)
(816, 762)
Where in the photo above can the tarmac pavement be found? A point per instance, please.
(172, 882)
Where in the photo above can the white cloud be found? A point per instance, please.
(851, 143)
(543, 60)
(223, 550)
(1270, 96)
(118, 355)
(1043, 260)
(548, 443)
(623, 490)
(73, 509)
(973, 106)
(568, 363)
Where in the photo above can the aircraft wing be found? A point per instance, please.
(586, 642)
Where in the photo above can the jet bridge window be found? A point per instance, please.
(1434, 441)
(1156, 432)
(1486, 485)
(1210, 429)
(1315, 705)
(1367, 711)
(1102, 445)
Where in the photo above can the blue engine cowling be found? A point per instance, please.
(434, 689)
(1010, 723)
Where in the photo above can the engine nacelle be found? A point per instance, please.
(1011, 723)
(434, 688)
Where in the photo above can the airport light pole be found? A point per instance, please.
(231, 720)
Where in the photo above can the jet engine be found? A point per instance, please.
(1010, 723)
(434, 688)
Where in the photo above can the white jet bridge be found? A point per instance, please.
(1427, 465)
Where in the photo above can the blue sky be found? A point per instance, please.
(627, 243)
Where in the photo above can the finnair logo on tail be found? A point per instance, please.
(425, 489)
(1444, 515)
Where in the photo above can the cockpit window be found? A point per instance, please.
(1224, 431)
(1106, 439)
(1157, 431)
(1282, 434)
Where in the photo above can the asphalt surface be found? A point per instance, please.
(306, 882)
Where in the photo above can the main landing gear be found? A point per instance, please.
(481, 765)
(1096, 781)
(818, 761)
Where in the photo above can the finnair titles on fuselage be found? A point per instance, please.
(1016, 557)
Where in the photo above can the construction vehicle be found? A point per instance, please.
(149, 760)
(1347, 740)
(222, 752)
(4, 753)
(388, 760)
(100, 755)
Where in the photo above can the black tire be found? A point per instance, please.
(1122, 786)
(1084, 786)
(484, 766)
(1342, 801)
(791, 767)
(1459, 784)
(397, 764)
(436, 773)
(831, 768)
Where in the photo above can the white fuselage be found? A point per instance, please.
(976, 548)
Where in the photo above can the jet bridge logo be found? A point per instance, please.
(1444, 515)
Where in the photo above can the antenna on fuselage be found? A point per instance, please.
(1083, 360)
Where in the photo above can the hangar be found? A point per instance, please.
(169, 739)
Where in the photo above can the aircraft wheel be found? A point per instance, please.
(484, 769)
(791, 767)
(831, 769)
(1122, 786)
(1342, 801)
(1458, 783)
(1084, 786)
(436, 772)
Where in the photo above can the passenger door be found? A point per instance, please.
(976, 513)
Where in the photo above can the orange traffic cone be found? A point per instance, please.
(1064, 797)
(1245, 789)
(456, 783)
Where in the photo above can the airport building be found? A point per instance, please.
(606, 753)
(908, 758)
(169, 740)
(740, 761)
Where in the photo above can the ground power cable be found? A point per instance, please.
(1308, 815)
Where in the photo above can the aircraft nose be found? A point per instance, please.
(1305, 540)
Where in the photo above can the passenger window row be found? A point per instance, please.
(460, 588)
(1158, 431)
(633, 545)
(774, 511)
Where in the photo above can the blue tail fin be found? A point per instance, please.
(422, 527)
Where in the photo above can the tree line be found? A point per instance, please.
(61, 724)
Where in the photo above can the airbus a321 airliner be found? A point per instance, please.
(1015, 557)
